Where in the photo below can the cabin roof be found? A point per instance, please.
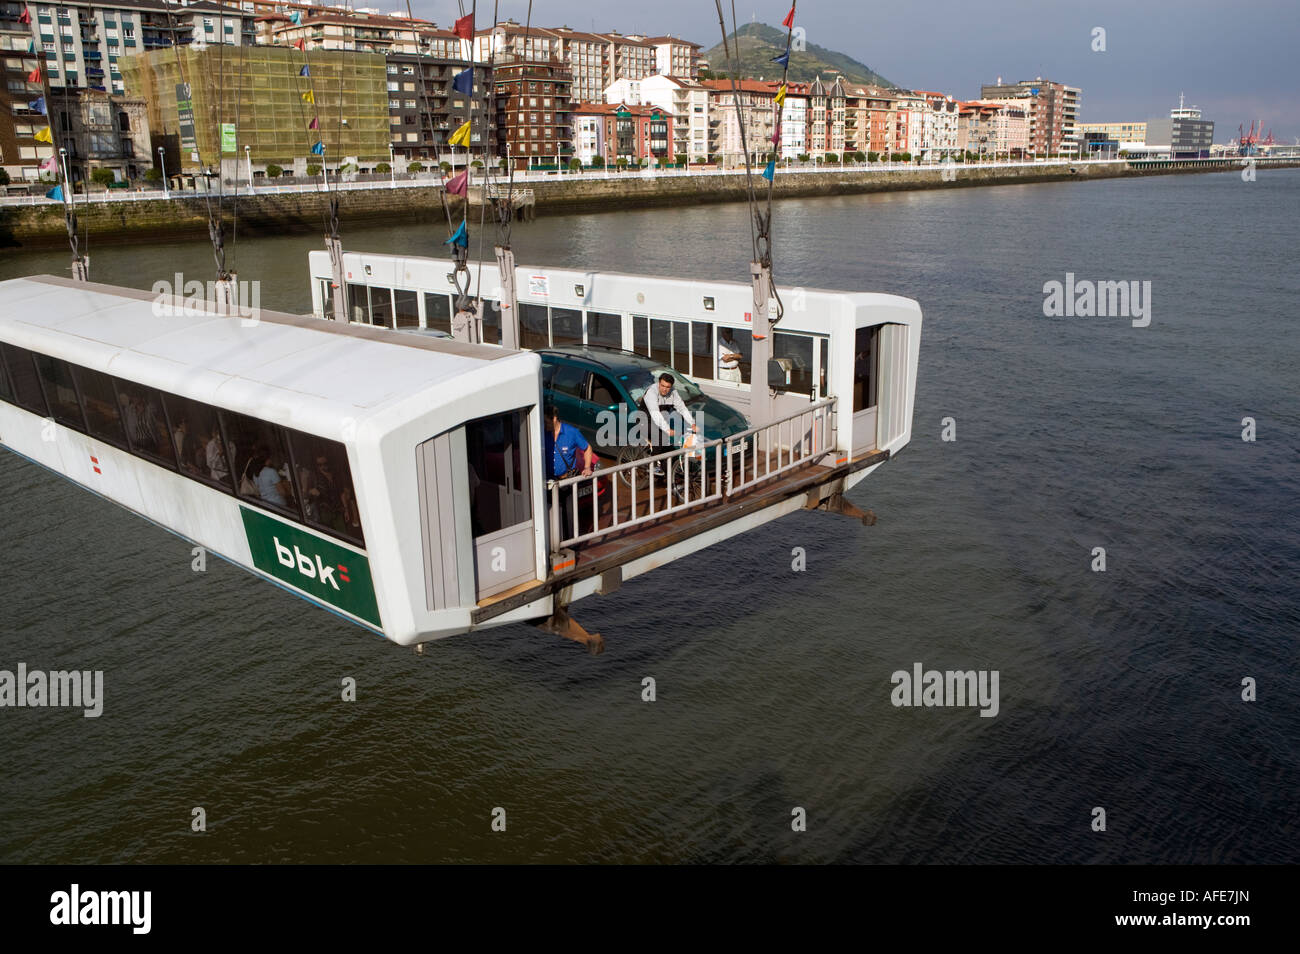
(303, 368)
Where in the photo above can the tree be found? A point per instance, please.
(873, 157)
(859, 156)
(4, 178)
(414, 167)
(153, 175)
(445, 167)
(621, 162)
(832, 157)
(598, 162)
(273, 171)
(680, 158)
(802, 157)
(477, 164)
(313, 170)
(575, 165)
(383, 168)
(103, 177)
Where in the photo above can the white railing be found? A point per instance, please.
(710, 473)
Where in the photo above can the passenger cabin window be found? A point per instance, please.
(865, 348)
(197, 439)
(325, 482)
(22, 377)
(604, 330)
(60, 391)
(566, 327)
(798, 351)
(641, 334)
(701, 349)
(497, 449)
(532, 327)
(262, 465)
(736, 341)
(146, 422)
(358, 303)
(103, 413)
(491, 322)
(406, 308)
(6, 392)
(327, 299)
(437, 311)
(381, 307)
(670, 343)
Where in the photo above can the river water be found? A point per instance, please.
(1120, 690)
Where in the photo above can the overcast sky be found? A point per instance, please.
(1236, 60)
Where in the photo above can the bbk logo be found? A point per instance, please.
(311, 567)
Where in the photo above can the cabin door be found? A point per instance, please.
(501, 504)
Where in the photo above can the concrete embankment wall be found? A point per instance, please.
(42, 226)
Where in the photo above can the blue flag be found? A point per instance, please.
(296, 18)
(783, 59)
(304, 72)
(318, 149)
(770, 172)
(1034, 91)
(459, 237)
(38, 105)
(464, 81)
(55, 193)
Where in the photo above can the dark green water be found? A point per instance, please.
(1118, 689)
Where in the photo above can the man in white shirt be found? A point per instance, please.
(666, 407)
(728, 358)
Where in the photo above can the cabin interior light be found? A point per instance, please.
(708, 303)
(367, 269)
(451, 278)
(580, 290)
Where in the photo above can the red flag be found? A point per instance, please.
(464, 27)
(300, 44)
(458, 184)
(25, 16)
(34, 76)
(313, 124)
(789, 18)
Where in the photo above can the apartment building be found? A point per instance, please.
(687, 101)
(750, 107)
(1052, 108)
(627, 131)
(674, 56)
(826, 116)
(425, 109)
(533, 98)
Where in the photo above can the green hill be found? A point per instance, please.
(759, 43)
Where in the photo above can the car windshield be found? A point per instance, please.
(640, 380)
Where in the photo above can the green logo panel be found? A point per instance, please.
(318, 567)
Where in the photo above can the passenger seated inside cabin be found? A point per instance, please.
(322, 502)
(271, 486)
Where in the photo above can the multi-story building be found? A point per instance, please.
(994, 128)
(587, 56)
(99, 130)
(509, 39)
(908, 112)
(424, 110)
(686, 100)
(1184, 133)
(616, 131)
(1053, 110)
(20, 153)
(534, 115)
(674, 56)
(751, 102)
(939, 123)
(360, 30)
(82, 41)
(794, 121)
(192, 94)
(826, 116)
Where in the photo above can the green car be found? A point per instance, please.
(597, 390)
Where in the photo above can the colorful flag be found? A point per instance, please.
(783, 59)
(788, 22)
(31, 47)
(776, 136)
(318, 149)
(304, 71)
(458, 184)
(300, 45)
(55, 193)
(309, 97)
(464, 27)
(34, 76)
(770, 172)
(464, 81)
(459, 237)
(44, 136)
(38, 105)
(25, 16)
(780, 95)
(296, 18)
(460, 137)
(49, 164)
(313, 124)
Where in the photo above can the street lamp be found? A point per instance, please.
(248, 158)
(162, 161)
(67, 179)
(392, 162)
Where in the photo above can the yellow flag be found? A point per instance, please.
(309, 97)
(44, 135)
(460, 137)
(780, 95)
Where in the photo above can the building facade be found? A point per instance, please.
(425, 110)
(1052, 108)
(751, 107)
(534, 110)
(613, 131)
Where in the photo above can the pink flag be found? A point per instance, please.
(49, 164)
(458, 184)
(313, 124)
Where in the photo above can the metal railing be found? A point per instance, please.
(663, 485)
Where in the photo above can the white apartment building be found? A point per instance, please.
(687, 101)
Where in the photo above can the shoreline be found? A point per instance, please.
(41, 227)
